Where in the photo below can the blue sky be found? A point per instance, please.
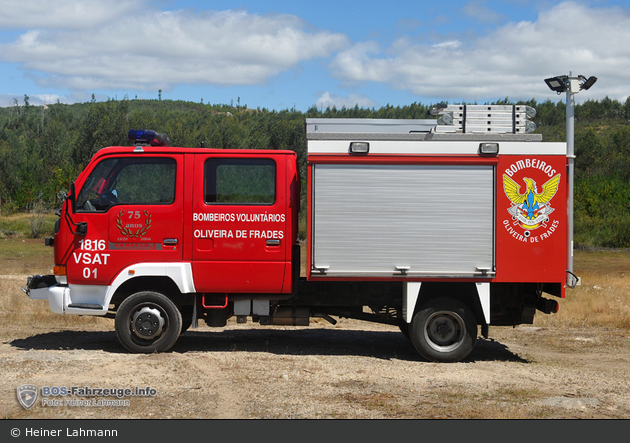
(281, 54)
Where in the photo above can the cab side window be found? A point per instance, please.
(232, 181)
(116, 181)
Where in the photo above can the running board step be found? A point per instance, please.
(85, 306)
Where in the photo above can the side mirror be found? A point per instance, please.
(81, 228)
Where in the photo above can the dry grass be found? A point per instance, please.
(20, 311)
(20, 225)
(19, 258)
(447, 402)
(602, 299)
(22, 256)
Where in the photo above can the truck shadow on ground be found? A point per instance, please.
(377, 344)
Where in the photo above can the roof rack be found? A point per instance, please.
(452, 119)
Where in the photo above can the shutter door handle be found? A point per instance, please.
(273, 242)
(169, 242)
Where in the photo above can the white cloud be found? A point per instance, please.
(511, 61)
(328, 100)
(453, 44)
(152, 50)
(68, 14)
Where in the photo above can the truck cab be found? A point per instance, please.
(176, 229)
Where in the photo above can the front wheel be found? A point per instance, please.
(148, 322)
(444, 330)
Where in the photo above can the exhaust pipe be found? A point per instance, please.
(547, 306)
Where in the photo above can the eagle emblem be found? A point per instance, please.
(530, 208)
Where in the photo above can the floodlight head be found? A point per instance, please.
(587, 82)
(558, 84)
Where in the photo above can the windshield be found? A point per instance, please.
(117, 181)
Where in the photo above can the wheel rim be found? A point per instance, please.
(445, 331)
(148, 322)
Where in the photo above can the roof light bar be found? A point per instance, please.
(148, 137)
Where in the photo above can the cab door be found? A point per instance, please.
(239, 223)
(133, 208)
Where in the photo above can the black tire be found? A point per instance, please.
(187, 314)
(148, 322)
(444, 330)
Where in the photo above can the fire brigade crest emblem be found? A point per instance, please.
(27, 395)
(531, 208)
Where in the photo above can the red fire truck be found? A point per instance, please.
(439, 227)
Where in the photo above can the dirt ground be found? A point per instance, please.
(352, 370)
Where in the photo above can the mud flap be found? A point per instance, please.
(483, 290)
(411, 291)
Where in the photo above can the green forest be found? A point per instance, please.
(43, 148)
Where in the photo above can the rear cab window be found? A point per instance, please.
(231, 181)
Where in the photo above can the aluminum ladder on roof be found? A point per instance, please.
(512, 119)
(470, 119)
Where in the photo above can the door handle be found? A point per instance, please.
(273, 242)
(169, 242)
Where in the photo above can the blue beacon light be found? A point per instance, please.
(146, 136)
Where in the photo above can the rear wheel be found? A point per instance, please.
(444, 330)
(148, 322)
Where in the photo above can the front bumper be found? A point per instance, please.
(46, 287)
(67, 299)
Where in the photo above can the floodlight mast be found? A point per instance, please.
(571, 85)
